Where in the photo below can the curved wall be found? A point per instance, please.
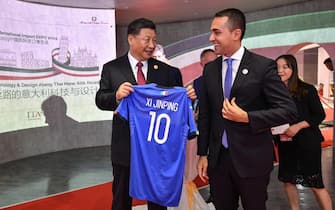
(170, 33)
(178, 43)
(49, 75)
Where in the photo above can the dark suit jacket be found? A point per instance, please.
(115, 73)
(197, 84)
(310, 109)
(260, 92)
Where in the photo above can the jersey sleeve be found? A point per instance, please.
(122, 110)
(193, 130)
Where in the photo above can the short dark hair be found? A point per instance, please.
(202, 54)
(236, 19)
(135, 26)
(327, 60)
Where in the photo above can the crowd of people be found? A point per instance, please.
(238, 99)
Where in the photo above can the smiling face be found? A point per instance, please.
(142, 45)
(284, 70)
(226, 41)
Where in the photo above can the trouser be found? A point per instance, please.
(228, 186)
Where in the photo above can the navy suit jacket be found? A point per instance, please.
(116, 72)
(197, 83)
(260, 92)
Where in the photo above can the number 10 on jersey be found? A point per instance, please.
(155, 123)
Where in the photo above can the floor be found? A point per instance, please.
(35, 177)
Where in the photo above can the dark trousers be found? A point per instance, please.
(228, 186)
(121, 198)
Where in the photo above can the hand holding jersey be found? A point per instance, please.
(124, 90)
(160, 119)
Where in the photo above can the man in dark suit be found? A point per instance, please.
(206, 56)
(118, 77)
(235, 142)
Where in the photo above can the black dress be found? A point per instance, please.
(300, 159)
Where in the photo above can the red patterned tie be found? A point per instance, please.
(140, 75)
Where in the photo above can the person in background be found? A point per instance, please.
(300, 146)
(320, 89)
(241, 98)
(329, 64)
(118, 77)
(190, 197)
(206, 56)
(159, 54)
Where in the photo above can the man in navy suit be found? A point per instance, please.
(118, 77)
(207, 55)
(235, 142)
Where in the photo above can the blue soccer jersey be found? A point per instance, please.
(161, 120)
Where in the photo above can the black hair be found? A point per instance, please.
(236, 19)
(135, 26)
(327, 60)
(295, 84)
(202, 54)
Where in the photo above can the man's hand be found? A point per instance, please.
(124, 90)
(202, 168)
(231, 111)
(191, 92)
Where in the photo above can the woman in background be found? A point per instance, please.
(300, 146)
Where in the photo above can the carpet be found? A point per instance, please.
(98, 197)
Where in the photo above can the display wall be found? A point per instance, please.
(47, 88)
(50, 64)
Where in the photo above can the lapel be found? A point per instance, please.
(126, 69)
(219, 78)
(242, 73)
(153, 68)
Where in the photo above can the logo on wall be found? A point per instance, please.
(93, 20)
(82, 63)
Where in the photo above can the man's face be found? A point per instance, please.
(225, 41)
(143, 44)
